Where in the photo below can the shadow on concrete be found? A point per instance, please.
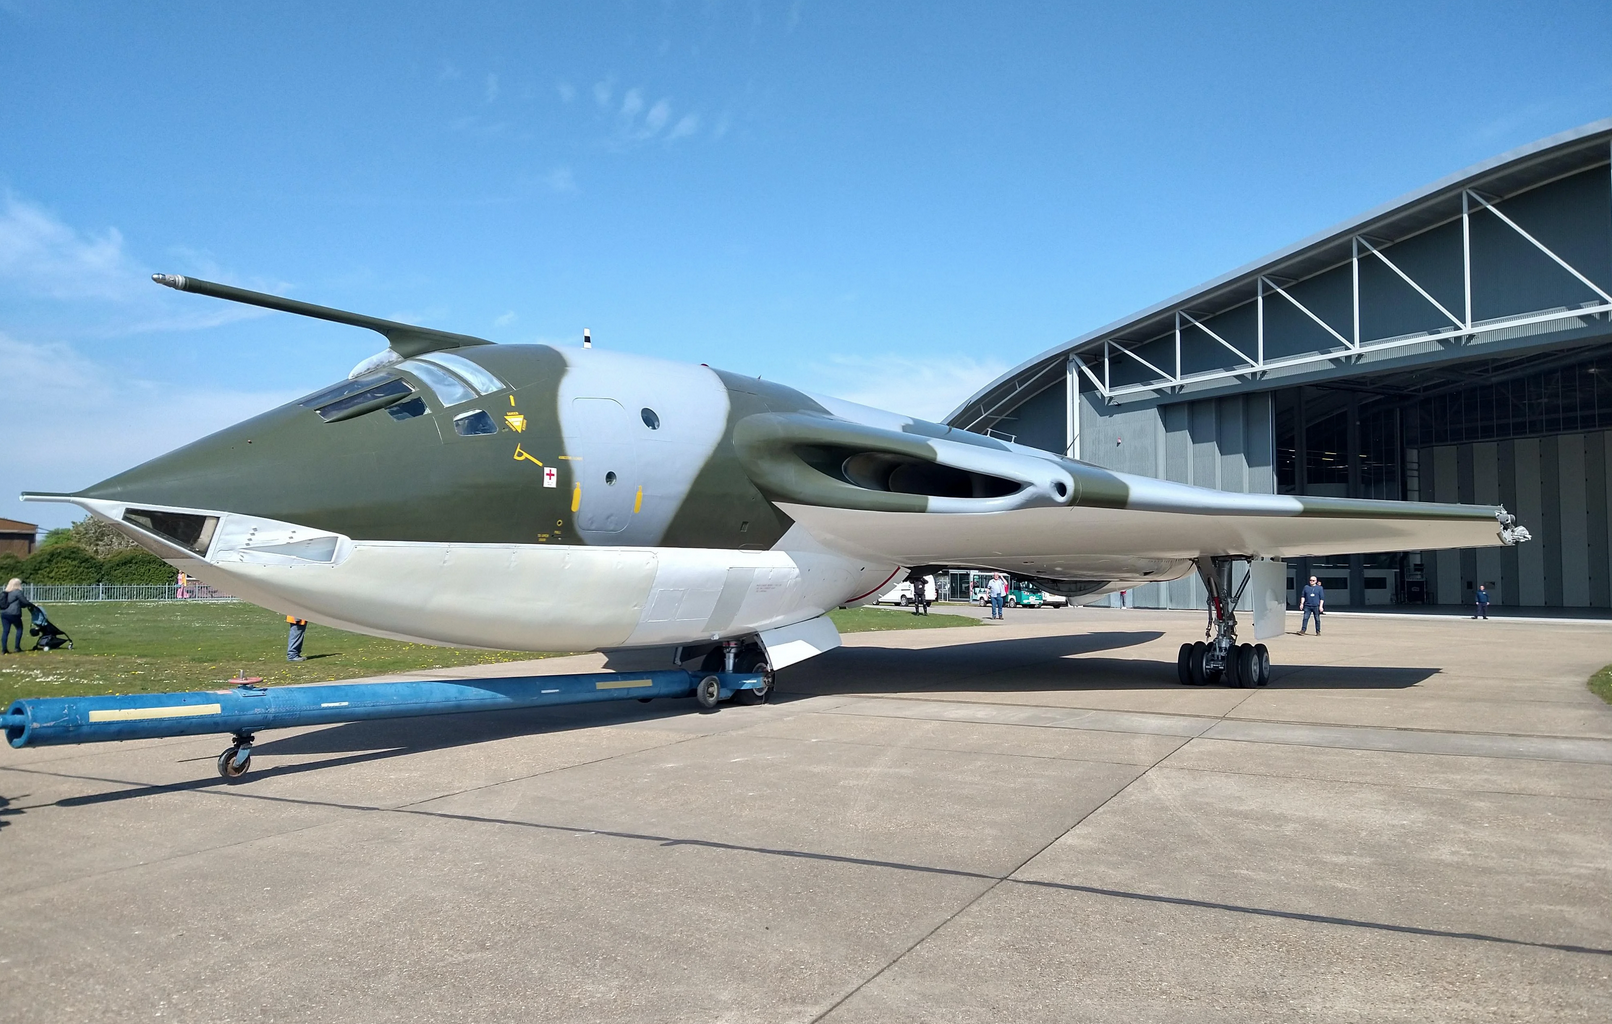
(1046, 663)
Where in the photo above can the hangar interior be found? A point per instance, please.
(1453, 345)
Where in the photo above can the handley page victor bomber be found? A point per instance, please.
(679, 517)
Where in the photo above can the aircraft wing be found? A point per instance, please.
(931, 495)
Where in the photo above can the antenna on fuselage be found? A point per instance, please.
(587, 338)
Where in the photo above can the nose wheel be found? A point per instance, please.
(236, 760)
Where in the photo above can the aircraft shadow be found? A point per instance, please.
(1046, 663)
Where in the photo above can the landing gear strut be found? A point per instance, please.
(236, 759)
(1219, 658)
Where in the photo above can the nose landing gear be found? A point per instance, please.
(1219, 658)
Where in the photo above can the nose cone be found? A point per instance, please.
(234, 470)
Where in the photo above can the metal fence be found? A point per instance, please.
(48, 594)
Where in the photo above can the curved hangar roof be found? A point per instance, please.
(1514, 252)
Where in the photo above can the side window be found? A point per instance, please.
(474, 422)
(407, 410)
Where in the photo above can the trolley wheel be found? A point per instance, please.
(748, 662)
(228, 768)
(1200, 677)
(1183, 665)
(902, 600)
(1263, 653)
(708, 691)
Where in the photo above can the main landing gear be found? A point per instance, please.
(1219, 658)
(236, 760)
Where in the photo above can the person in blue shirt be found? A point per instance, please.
(1483, 603)
(1314, 602)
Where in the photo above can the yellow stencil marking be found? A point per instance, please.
(576, 497)
(572, 458)
(142, 714)
(638, 502)
(512, 401)
(516, 421)
(519, 455)
(624, 684)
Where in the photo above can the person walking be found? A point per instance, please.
(12, 602)
(1314, 602)
(293, 641)
(997, 589)
(1483, 603)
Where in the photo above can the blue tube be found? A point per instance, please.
(49, 721)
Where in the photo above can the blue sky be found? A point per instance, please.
(889, 202)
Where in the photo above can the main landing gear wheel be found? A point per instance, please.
(1183, 665)
(1247, 666)
(1263, 655)
(1195, 664)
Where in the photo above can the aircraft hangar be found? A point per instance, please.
(1453, 345)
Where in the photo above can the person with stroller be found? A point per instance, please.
(12, 602)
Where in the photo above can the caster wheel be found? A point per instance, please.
(708, 692)
(1200, 675)
(227, 766)
(1263, 653)
(1247, 666)
(1183, 665)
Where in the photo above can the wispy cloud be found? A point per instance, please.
(566, 91)
(490, 87)
(560, 179)
(102, 421)
(505, 319)
(48, 258)
(686, 125)
(927, 387)
(603, 90)
(448, 72)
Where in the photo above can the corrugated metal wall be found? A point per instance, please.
(1224, 443)
(1557, 486)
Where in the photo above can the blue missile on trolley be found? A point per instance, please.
(246, 709)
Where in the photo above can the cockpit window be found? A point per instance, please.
(477, 376)
(474, 422)
(342, 390)
(407, 410)
(450, 390)
(386, 393)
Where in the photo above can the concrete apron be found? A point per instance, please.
(1027, 820)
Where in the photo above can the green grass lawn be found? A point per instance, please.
(1601, 684)
(133, 647)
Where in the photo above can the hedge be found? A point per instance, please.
(138, 568)
(62, 565)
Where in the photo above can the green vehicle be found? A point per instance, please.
(1025, 594)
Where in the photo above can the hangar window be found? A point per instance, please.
(475, 422)
(476, 376)
(450, 390)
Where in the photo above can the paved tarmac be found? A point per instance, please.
(1023, 821)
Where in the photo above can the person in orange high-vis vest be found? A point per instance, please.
(293, 643)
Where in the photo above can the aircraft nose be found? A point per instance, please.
(288, 465)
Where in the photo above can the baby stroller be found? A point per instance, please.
(50, 637)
